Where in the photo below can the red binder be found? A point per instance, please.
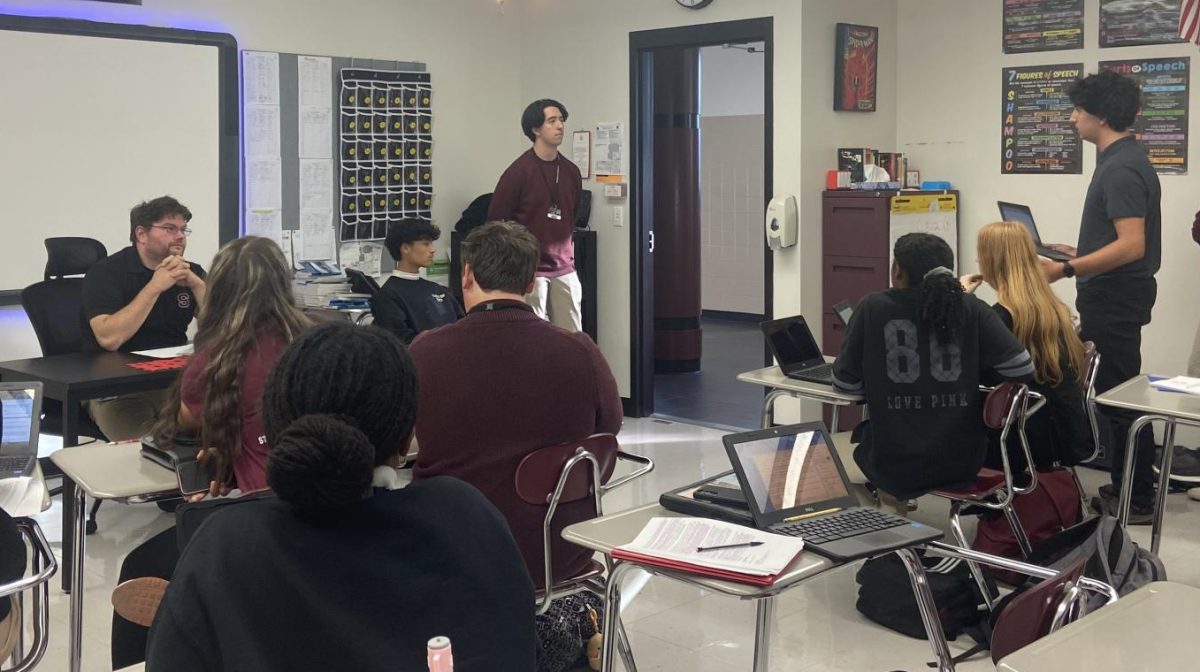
(722, 574)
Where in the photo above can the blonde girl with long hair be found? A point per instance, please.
(1008, 262)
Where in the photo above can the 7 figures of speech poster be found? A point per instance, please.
(856, 63)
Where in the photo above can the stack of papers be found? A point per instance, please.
(313, 292)
(673, 543)
(167, 353)
(1178, 384)
(22, 496)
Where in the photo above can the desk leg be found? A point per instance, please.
(1126, 493)
(68, 530)
(769, 406)
(763, 618)
(79, 503)
(1164, 483)
(612, 614)
(928, 608)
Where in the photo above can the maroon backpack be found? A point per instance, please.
(1052, 507)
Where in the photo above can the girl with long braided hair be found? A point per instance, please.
(918, 352)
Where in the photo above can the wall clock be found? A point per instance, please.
(694, 4)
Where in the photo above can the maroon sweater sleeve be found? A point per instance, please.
(506, 195)
(609, 412)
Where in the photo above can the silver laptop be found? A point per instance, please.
(793, 345)
(1015, 212)
(795, 484)
(20, 423)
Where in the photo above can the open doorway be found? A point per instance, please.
(701, 123)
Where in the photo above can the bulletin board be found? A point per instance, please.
(321, 174)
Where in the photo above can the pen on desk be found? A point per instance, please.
(748, 544)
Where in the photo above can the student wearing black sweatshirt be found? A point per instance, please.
(344, 569)
(918, 352)
(408, 304)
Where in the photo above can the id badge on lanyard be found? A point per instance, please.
(554, 213)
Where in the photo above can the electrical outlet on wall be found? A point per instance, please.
(618, 215)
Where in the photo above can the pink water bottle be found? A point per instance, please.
(440, 657)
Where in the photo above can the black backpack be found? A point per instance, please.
(885, 596)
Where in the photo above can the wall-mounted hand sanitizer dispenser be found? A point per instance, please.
(781, 224)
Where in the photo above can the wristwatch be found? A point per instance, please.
(1068, 269)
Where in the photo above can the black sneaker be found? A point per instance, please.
(1185, 467)
(1140, 513)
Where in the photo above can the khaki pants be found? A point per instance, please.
(127, 417)
(558, 299)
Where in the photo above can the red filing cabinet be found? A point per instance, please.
(856, 260)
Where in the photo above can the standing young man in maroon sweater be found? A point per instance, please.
(540, 190)
(501, 383)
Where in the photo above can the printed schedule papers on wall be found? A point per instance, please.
(754, 556)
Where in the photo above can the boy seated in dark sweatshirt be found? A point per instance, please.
(408, 304)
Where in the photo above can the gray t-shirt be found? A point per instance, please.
(1124, 185)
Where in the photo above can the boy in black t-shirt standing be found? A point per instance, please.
(1119, 251)
(408, 304)
(919, 352)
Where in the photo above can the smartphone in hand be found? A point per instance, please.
(195, 476)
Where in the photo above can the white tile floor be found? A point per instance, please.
(672, 626)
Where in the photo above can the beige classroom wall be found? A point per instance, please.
(949, 125)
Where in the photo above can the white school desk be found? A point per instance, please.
(1152, 629)
(781, 386)
(107, 471)
(608, 532)
(1171, 408)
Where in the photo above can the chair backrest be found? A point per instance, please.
(539, 472)
(1038, 611)
(1091, 366)
(361, 282)
(554, 475)
(1006, 409)
(55, 310)
(72, 256)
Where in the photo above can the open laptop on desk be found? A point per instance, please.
(1015, 212)
(795, 484)
(793, 345)
(20, 425)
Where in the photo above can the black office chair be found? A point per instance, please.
(55, 309)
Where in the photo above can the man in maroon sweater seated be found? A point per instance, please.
(541, 190)
(501, 383)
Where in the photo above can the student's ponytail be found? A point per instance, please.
(340, 401)
(927, 261)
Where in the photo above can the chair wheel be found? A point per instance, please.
(90, 527)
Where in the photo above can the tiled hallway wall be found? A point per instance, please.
(731, 213)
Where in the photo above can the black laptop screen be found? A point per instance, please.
(16, 421)
(1012, 212)
(791, 342)
(791, 471)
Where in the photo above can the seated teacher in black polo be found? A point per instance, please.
(140, 298)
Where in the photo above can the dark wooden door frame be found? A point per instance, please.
(641, 284)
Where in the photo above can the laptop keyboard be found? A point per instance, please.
(10, 463)
(841, 525)
(817, 374)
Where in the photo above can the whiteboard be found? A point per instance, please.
(924, 213)
(91, 126)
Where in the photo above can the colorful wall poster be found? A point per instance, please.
(1127, 23)
(855, 66)
(1042, 25)
(1037, 135)
(1162, 124)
